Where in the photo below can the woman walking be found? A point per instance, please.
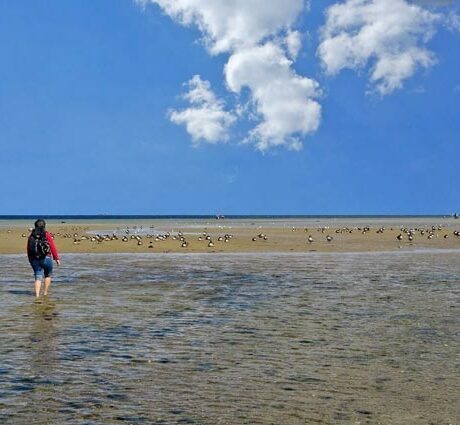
(40, 248)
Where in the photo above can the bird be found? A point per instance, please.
(329, 238)
(184, 244)
(210, 244)
(310, 239)
(399, 237)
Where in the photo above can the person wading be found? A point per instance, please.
(40, 248)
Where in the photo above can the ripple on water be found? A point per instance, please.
(233, 339)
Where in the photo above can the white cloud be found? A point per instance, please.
(232, 24)
(435, 3)
(206, 118)
(387, 34)
(453, 21)
(259, 37)
(293, 43)
(283, 99)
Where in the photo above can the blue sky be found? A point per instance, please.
(88, 92)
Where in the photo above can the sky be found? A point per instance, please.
(229, 107)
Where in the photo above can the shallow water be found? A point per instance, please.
(233, 339)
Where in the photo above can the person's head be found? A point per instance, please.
(40, 224)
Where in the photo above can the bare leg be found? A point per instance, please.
(38, 285)
(47, 285)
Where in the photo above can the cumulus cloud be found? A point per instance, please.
(453, 21)
(231, 24)
(206, 119)
(293, 43)
(390, 35)
(387, 38)
(434, 3)
(262, 45)
(283, 99)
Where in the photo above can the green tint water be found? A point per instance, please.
(233, 339)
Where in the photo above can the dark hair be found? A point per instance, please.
(40, 224)
(39, 231)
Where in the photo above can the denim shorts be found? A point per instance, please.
(43, 266)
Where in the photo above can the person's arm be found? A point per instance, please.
(53, 248)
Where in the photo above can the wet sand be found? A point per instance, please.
(129, 237)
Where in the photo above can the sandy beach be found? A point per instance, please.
(220, 236)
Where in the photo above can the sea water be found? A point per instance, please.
(369, 338)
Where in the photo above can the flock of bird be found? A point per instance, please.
(139, 239)
(408, 234)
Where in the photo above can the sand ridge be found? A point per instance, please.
(103, 238)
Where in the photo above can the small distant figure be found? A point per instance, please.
(40, 248)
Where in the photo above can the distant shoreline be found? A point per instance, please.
(213, 216)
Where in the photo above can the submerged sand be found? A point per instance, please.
(129, 237)
(250, 339)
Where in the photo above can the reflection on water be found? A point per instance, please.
(233, 339)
